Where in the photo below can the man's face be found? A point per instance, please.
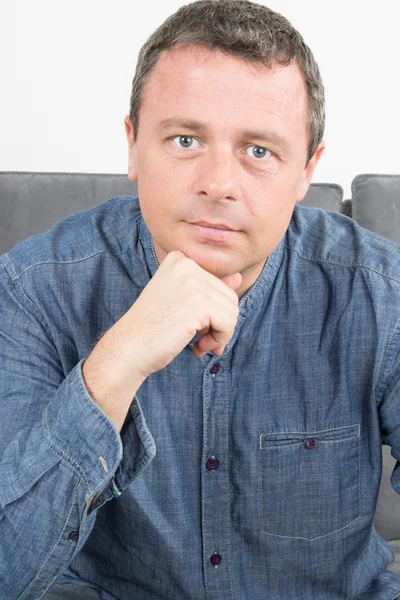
(243, 165)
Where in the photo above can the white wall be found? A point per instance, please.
(66, 71)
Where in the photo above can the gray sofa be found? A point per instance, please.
(30, 203)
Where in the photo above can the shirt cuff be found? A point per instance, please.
(84, 437)
(139, 449)
(81, 434)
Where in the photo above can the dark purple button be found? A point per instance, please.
(311, 443)
(212, 463)
(74, 536)
(214, 369)
(215, 559)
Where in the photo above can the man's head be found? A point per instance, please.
(245, 75)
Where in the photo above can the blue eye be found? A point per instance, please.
(186, 141)
(185, 138)
(262, 152)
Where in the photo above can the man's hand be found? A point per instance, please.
(181, 299)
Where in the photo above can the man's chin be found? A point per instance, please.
(214, 261)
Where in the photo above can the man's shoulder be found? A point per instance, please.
(107, 227)
(331, 238)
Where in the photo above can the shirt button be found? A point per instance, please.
(311, 443)
(214, 369)
(215, 559)
(212, 463)
(74, 536)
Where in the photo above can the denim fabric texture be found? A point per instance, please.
(248, 476)
(72, 592)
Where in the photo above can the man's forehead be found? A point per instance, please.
(180, 69)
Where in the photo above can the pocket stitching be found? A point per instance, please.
(312, 433)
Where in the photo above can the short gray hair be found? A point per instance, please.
(238, 28)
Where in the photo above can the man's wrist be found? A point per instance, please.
(111, 393)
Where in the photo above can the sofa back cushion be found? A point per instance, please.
(376, 204)
(31, 203)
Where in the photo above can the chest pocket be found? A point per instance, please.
(310, 481)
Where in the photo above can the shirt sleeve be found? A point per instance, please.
(388, 399)
(57, 450)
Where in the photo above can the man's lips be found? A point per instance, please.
(214, 225)
(216, 232)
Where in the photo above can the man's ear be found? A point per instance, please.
(308, 172)
(132, 150)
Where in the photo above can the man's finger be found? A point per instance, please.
(208, 344)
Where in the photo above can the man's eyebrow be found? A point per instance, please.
(270, 137)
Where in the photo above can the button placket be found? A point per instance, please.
(215, 480)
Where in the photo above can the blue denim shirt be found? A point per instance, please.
(248, 476)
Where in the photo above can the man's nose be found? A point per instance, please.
(218, 175)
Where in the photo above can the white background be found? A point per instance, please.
(66, 69)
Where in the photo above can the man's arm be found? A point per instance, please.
(58, 449)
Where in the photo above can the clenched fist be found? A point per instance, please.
(180, 300)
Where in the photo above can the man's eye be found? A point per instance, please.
(185, 139)
(259, 152)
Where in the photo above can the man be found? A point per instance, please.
(196, 383)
